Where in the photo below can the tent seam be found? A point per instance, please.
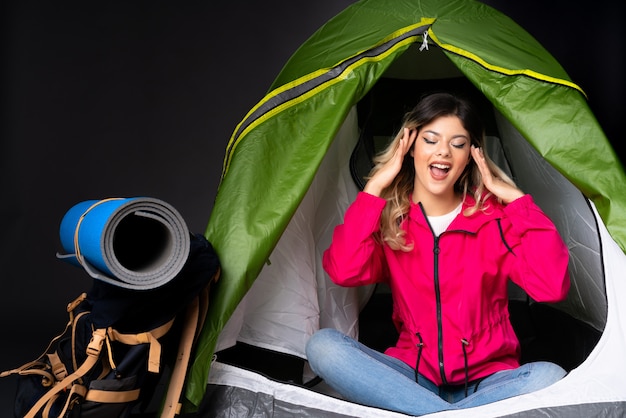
(499, 69)
(391, 43)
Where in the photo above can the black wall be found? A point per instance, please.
(139, 98)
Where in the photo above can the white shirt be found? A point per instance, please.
(441, 223)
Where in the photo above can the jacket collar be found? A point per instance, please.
(470, 223)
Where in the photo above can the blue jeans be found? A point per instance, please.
(368, 377)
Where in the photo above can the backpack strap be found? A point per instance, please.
(194, 322)
(74, 319)
(172, 404)
(76, 391)
(38, 366)
(107, 396)
(93, 353)
(58, 369)
(148, 337)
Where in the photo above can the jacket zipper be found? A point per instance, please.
(436, 250)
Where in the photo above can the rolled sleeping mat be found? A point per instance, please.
(136, 243)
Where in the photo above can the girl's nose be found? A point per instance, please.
(443, 149)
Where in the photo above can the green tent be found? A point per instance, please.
(368, 51)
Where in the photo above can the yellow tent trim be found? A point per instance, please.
(236, 139)
(507, 71)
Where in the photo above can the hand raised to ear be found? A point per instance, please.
(388, 172)
(506, 192)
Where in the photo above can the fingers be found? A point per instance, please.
(477, 154)
(388, 172)
(493, 183)
(486, 174)
(479, 158)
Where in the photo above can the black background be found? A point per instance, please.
(139, 98)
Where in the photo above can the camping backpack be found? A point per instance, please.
(123, 352)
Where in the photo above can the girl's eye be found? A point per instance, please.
(459, 146)
(428, 141)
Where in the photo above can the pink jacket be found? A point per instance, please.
(450, 301)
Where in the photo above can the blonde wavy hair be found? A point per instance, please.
(398, 193)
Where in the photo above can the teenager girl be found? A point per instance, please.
(446, 229)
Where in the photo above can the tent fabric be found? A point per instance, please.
(291, 298)
(574, 220)
(259, 396)
(284, 142)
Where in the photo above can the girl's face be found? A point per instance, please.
(440, 153)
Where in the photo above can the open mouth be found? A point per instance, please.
(439, 170)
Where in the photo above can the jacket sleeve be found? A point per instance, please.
(541, 256)
(354, 256)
